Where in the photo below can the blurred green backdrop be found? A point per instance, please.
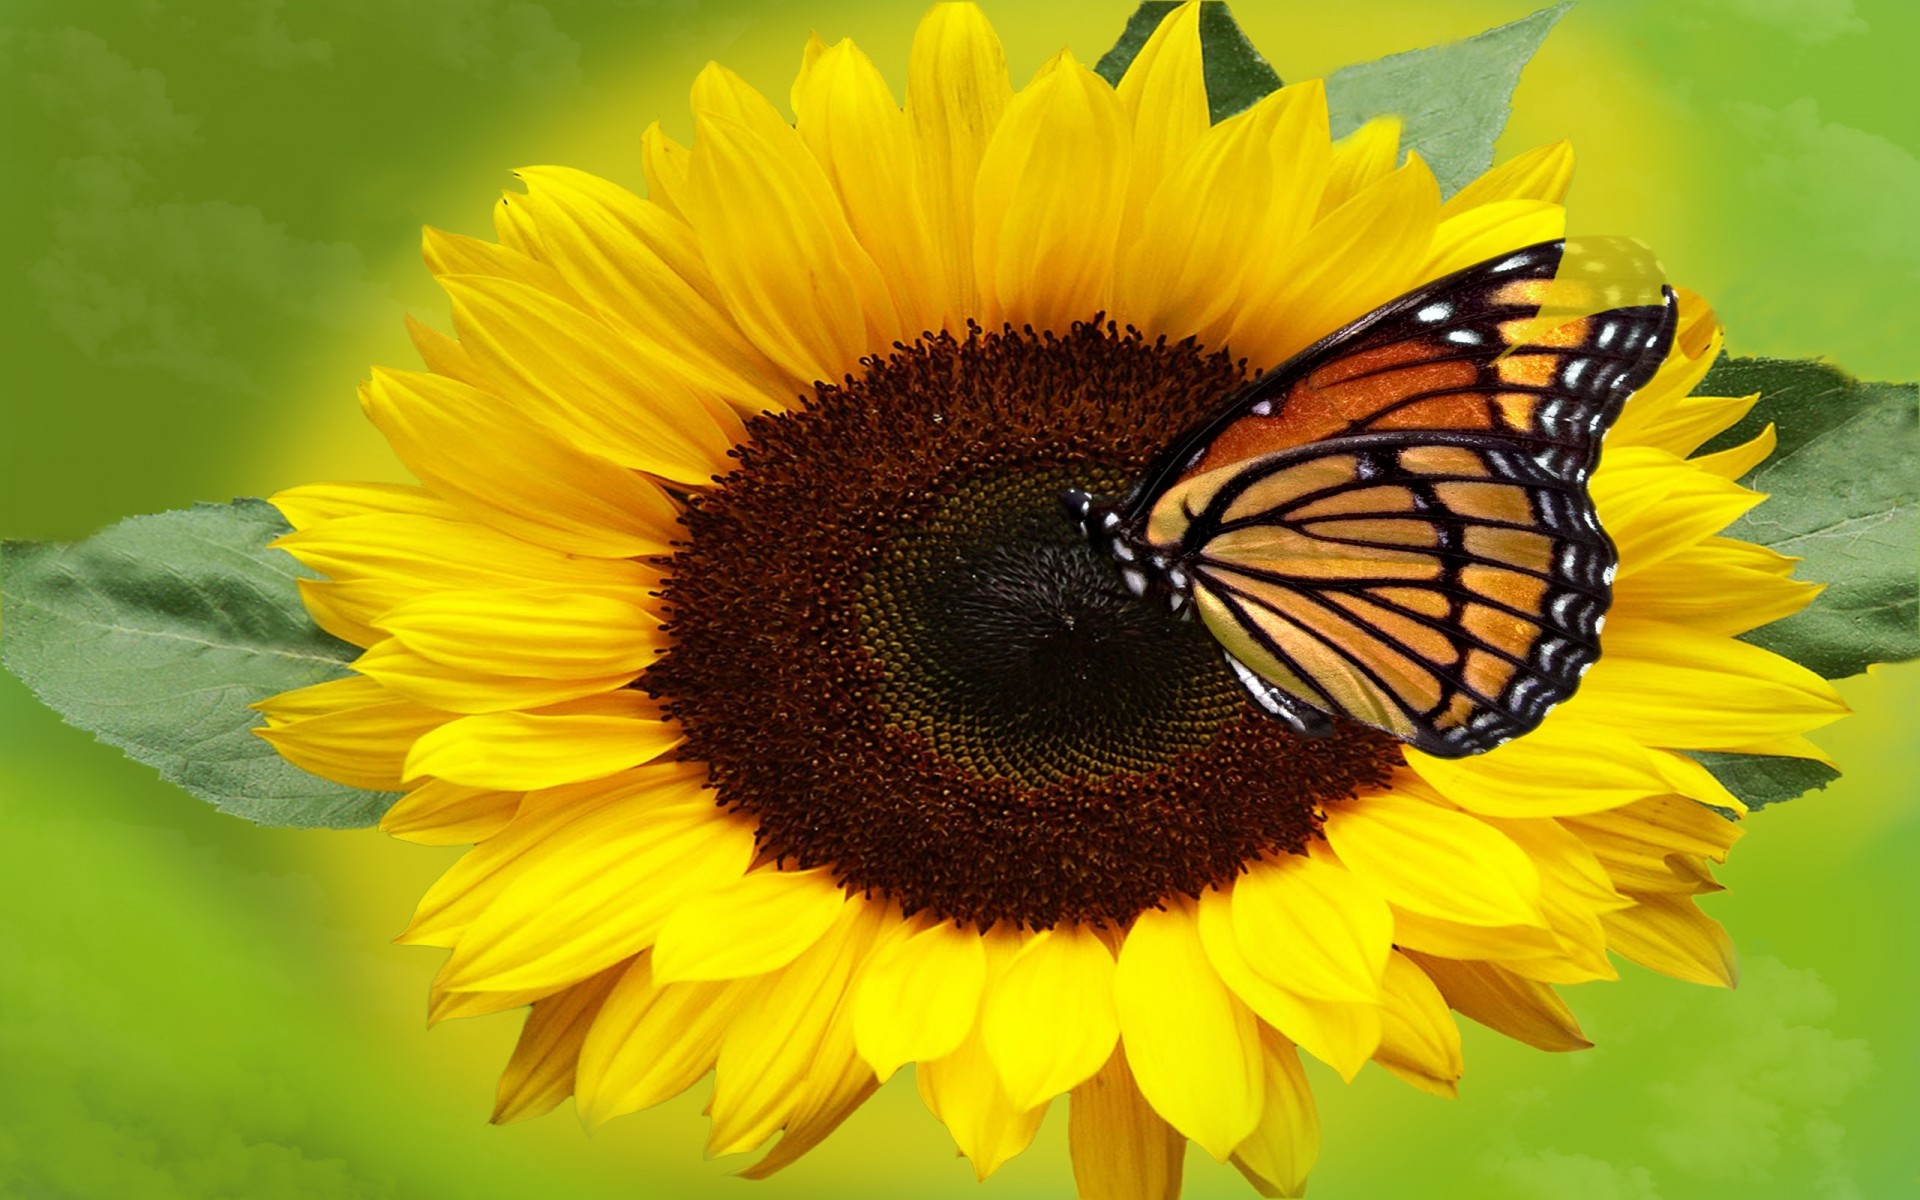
(212, 220)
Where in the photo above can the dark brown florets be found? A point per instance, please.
(897, 655)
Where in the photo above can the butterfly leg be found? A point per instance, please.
(1305, 720)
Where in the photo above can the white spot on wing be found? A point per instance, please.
(1435, 312)
(1464, 337)
(1262, 409)
(1136, 580)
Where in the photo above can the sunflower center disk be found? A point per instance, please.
(895, 653)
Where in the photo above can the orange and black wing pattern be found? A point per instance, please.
(1394, 527)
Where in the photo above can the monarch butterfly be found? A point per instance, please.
(1394, 526)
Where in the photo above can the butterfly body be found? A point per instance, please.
(1394, 527)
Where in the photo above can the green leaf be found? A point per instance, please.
(1763, 779)
(1844, 495)
(1452, 99)
(156, 634)
(1236, 75)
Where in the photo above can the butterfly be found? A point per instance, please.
(1394, 526)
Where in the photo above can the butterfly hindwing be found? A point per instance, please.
(1423, 583)
(1394, 527)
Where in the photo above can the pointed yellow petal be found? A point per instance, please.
(1122, 1149)
(965, 1092)
(849, 120)
(1418, 1040)
(917, 1000)
(445, 814)
(1669, 685)
(1049, 199)
(1320, 932)
(1542, 174)
(516, 751)
(557, 495)
(651, 1042)
(1654, 505)
(420, 554)
(539, 632)
(359, 733)
(1736, 461)
(1341, 1035)
(1360, 160)
(1433, 860)
(1049, 1021)
(308, 505)
(956, 91)
(665, 162)
(1711, 590)
(408, 673)
(455, 254)
(758, 923)
(1193, 1047)
(1280, 1152)
(598, 892)
(1477, 234)
(573, 373)
(1528, 777)
(540, 1073)
(1258, 175)
(1164, 95)
(761, 1079)
(1357, 257)
(1668, 933)
(1505, 1003)
(788, 265)
(640, 267)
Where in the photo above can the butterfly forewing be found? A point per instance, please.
(1394, 527)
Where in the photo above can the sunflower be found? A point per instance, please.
(799, 737)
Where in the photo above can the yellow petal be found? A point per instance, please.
(1432, 860)
(755, 924)
(539, 1075)
(1357, 257)
(455, 254)
(557, 495)
(355, 731)
(640, 267)
(539, 632)
(862, 140)
(1504, 1002)
(964, 1091)
(1258, 175)
(1193, 1048)
(516, 751)
(1419, 1041)
(1565, 767)
(956, 91)
(1477, 234)
(1668, 933)
(1736, 461)
(577, 375)
(1048, 201)
(1709, 589)
(598, 892)
(419, 554)
(408, 673)
(445, 814)
(1164, 95)
(1542, 173)
(665, 162)
(761, 1078)
(788, 265)
(1341, 1035)
(482, 874)
(918, 1000)
(1454, 939)
(649, 1042)
(1669, 685)
(1280, 1152)
(1360, 160)
(1049, 1021)
(310, 504)
(1654, 505)
(1320, 932)
(1122, 1149)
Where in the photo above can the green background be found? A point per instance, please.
(212, 216)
